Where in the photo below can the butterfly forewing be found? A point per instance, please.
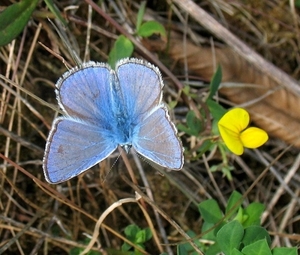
(141, 86)
(84, 92)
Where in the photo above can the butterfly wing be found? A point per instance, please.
(84, 92)
(78, 142)
(141, 86)
(73, 147)
(155, 136)
(157, 140)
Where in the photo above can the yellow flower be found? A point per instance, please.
(236, 135)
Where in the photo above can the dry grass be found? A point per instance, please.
(39, 218)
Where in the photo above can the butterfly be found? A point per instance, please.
(105, 108)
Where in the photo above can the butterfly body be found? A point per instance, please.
(105, 108)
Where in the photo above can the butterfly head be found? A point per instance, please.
(126, 147)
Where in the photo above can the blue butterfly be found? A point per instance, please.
(107, 108)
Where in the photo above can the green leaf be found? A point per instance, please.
(227, 171)
(230, 236)
(131, 231)
(140, 237)
(211, 235)
(183, 128)
(172, 104)
(260, 247)
(187, 248)
(215, 82)
(216, 110)
(148, 233)
(214, 128)
(207, 145)
(285, 251)
(122, 48)
(214, 168)
(255, 233)
(235, 200)
(143, 235)
(194, 124)
(241, 216)
(186, 90)
(254, 212)
(151, 27)
(137, 236)
(112, 251)
(182, 250)
(236, 252)
(210, 211)
(213, 250)
(126, 246)
(14, 18)
(193, 235)
(140, 15)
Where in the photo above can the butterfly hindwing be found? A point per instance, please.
(157, 140)
(73, 147)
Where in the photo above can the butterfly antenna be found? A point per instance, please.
(105, 178)
(68, 40)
